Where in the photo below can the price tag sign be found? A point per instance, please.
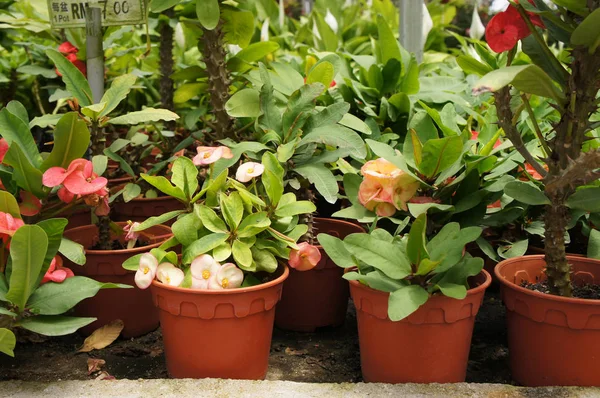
(71, 13)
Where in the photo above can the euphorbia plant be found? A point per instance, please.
(573, 91)
(410, 267)
(233, 231)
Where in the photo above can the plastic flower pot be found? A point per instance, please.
(77, 218)
(133, 306)
(143, 208)
(218, 333)
(319, 297)
(429, 346)
(553, 341)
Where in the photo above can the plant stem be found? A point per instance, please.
(166, 60)
(98, 145)
(536, 126)
(557, 268)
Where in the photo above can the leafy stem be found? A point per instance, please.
(536, 126)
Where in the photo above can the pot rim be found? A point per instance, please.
(470, 292)
(336, 221)
(280, 279)
(540, 257)
(135, 250)
(159, 198)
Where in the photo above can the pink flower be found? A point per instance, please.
(207, 155)
(229, 276)
(385, 187)
(3, 148)
(305, 258)
(170, 275)
(204, 270)
(248, 171)
(131, 236)
(30, 205)
(8, 226)
(146, 271)
(56, 272)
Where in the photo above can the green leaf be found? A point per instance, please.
(453, 290)
(159, 6)
(242, 255)
(27, 250)
(15, 131)
(241, 62)
(328, 36)
(8, 204)
(439, 154)
(157, 220)
(384, 256)
(272, 177)
(426, 266)
(254, 224)
(118, 91)
(133, 262)
(587, 32)
(417, 209)
(208, 13)
(526, 193)
(165, 186)
(45, 120)
(594, 244)
(58, 298)
(17, 109)
(405, 301)
(186, 229)
(233, 209)
(131, 191)
(187, 91)
(527, 78)
(54, 228)
(26, 175)
(238, 26)
(147, 115)
(185, 176)
(416, 246)
(73, 251)
(37, 70)
(388, 44)
(336, 250)
(585, 199)
(203, 245)
(75, 81)
(471, 66)
(122, 162)
(52, 325)
(244, 103)
(8, 341)
(71, 141)
(322, 178)
(299, 106)
(100, 163)
(323, 73)
(264, 260)
(292, 209)
(516, 249)
(339, 136)
(210, 219)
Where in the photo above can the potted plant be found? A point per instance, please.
(551, 328)
(235, 237)
(415, 303)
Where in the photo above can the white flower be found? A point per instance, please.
(477, 29)
(248, 171)
(204, 269)
(170, 275)
(146, 271)
(228, 277)
(264, 31)
(498, 6)
(427, 23)
(331, 21)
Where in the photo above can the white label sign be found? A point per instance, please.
(71, 13)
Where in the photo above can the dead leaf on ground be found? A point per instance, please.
(95, 364)
(291, 351)
(103, 336)
(104, 376)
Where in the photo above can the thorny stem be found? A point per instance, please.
(98, 145)
(536, 126)
(166, 61)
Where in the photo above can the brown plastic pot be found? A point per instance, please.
(143, 208)
(553, 341)
(319, 297)
(218, 333)
(77, 218)
(133, 306)
(429, 346)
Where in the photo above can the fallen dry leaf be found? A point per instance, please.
(291, 351)
(103, 336)
(104, 376)
(95, 364)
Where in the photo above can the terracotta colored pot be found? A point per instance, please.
(133, 306)
(218, 333)
(318, 297)
(77, 218)
(553, 341)
(429, 346)
(533, 250)
(113, 183)
(144, 208)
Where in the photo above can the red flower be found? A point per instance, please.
(496, 205)
(505, 29)
(56, 272)
(67, 48)
(3, 149)
(70, 52)
(532, 172)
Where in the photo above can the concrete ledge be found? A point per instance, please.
(270, 389)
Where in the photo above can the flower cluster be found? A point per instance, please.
(56, 272)
(385, 188)
(149, 269)
(70, 52)
(207, 273)
(508, 27)
(208, 155)
(79, 181)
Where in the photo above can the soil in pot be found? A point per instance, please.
(552, 340)
(429, 346)
(133, 306)
(218, 333)
(319, 297)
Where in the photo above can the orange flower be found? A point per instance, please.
(305, 258)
